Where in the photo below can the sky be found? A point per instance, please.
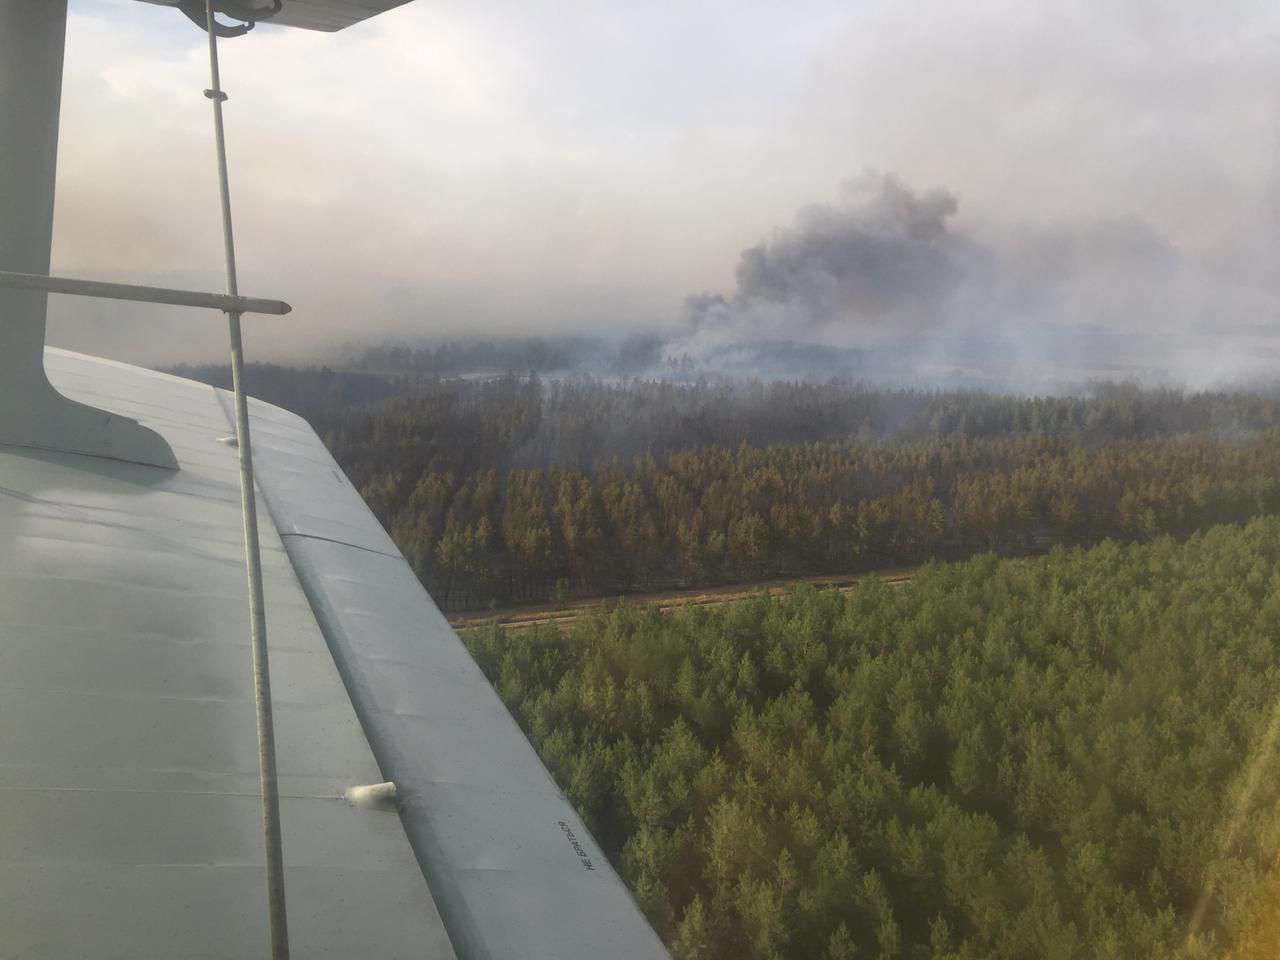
(1096, 177)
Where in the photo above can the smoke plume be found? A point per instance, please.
(885, 284)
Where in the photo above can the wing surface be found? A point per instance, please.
(128, 766)
(129, 821)
(512, 868)
(326, 15)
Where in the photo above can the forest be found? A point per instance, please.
(509, 490)
(1067, 756)
(716, 515)
(1057, 740)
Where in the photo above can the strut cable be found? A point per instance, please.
(253, 554)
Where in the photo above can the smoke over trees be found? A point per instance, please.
(885, 284)
(886, 256)
(892, 284)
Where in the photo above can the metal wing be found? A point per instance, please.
(128, 772)
(327, 15)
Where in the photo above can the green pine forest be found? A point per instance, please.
(514, 491)
(1007, 758)
(1057, 740)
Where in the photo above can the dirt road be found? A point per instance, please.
(521, 618)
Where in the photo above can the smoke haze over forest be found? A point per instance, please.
(997, 195)
(883, 283)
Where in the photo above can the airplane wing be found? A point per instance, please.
(129, 817)
(327, 15)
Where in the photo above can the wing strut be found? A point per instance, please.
(253, 556)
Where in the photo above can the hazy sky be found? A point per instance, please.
(456, 167)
